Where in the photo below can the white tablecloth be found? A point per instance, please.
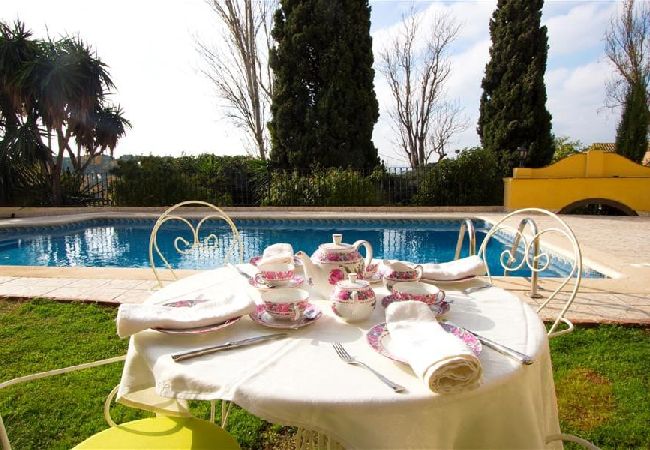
(301, 381)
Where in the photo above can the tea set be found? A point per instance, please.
(336, 271)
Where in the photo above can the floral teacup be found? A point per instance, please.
(415, 290)
(398, 272)
(276, 274)
(285, 303)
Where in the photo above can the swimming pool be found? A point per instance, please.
(125, 242)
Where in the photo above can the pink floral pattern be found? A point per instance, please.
(410, 275)
(285, 309)
(278, 276)
(336, 275)
(325, 257)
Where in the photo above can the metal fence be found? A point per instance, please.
(392, 186)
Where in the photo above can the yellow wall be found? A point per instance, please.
(592, 175)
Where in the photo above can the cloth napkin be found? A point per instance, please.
(439, 358)
(277, 253)
(226, 296)
(454, 270)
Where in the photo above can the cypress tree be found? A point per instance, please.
(513, 105)
(324, 105)
(632, 131)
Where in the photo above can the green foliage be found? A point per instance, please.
(326, 187)
(471, 179)
(324, 105)
(156, 181)
(564, 147)
(513, 104)
(632, 131)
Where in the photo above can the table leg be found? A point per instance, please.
(312, 440)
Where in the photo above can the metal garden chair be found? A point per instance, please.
(152, 433)
(537, 259)
(196, 244)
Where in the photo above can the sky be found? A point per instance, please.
(150, 48)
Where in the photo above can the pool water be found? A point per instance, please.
(125, 242)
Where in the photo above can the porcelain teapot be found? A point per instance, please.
(331, 263)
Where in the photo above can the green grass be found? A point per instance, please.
(60, 412)
(602, 375)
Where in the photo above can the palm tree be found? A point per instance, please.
(60, 88)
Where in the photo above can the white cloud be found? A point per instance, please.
(581, 28)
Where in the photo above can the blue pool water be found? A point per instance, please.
(125, 242)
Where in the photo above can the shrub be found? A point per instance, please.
(471, 179)
(157, 181)
(331, 187)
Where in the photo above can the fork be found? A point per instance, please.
(345, 356)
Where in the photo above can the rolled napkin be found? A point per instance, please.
(440, 359)
(222, 295)
(454, 270)
(277, 253)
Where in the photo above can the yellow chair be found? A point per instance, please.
(186, 433)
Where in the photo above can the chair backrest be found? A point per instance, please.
(539, 261)
(235, 249)
(4, 439)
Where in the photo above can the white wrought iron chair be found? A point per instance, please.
(154, 432)
(208, 243)
(234, 253)
(537, 259)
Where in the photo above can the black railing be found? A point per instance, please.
(387, 187)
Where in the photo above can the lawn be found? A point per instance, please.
(602, 376)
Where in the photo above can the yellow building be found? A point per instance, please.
(595, 176)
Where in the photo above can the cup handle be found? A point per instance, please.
(420, 271)
(296, 312)
(441, 296)
(259, 278)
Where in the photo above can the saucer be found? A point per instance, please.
(379, 339)
(311, 315)
(296, 281)
(375, 278)
(194, 330)
(438, 308)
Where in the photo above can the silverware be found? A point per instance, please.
(248, 277)
(511, 352)
(227, 346)
(345, 356)
(469, 290)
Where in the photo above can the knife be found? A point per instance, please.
(521, 357)
(227, 346)
(247, 276)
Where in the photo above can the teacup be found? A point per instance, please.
(275, 274)
(418, 291)
(285, 303)
(400, 274)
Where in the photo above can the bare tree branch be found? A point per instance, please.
(627, 47)
(424, 121)
(240, 72)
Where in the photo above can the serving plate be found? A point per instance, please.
(379, 339)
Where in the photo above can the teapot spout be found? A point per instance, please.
(316, 275)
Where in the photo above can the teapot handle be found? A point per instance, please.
(368, 247)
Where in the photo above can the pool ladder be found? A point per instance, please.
(467, 228)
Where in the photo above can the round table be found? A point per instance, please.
(301, 381)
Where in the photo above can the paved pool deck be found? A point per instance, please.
(616, 246)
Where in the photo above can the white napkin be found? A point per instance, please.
(454, 270)
(226, 296)
(439, 358)
(277, 253)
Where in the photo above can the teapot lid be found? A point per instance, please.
(336, 245)
(352, 283)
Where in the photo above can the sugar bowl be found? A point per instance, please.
(353, 299)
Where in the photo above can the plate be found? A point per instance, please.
(438, 308)
(311, 315)
(375, 278)
(379, 339)
(195, 330)
(457, 280)
(295, 282)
